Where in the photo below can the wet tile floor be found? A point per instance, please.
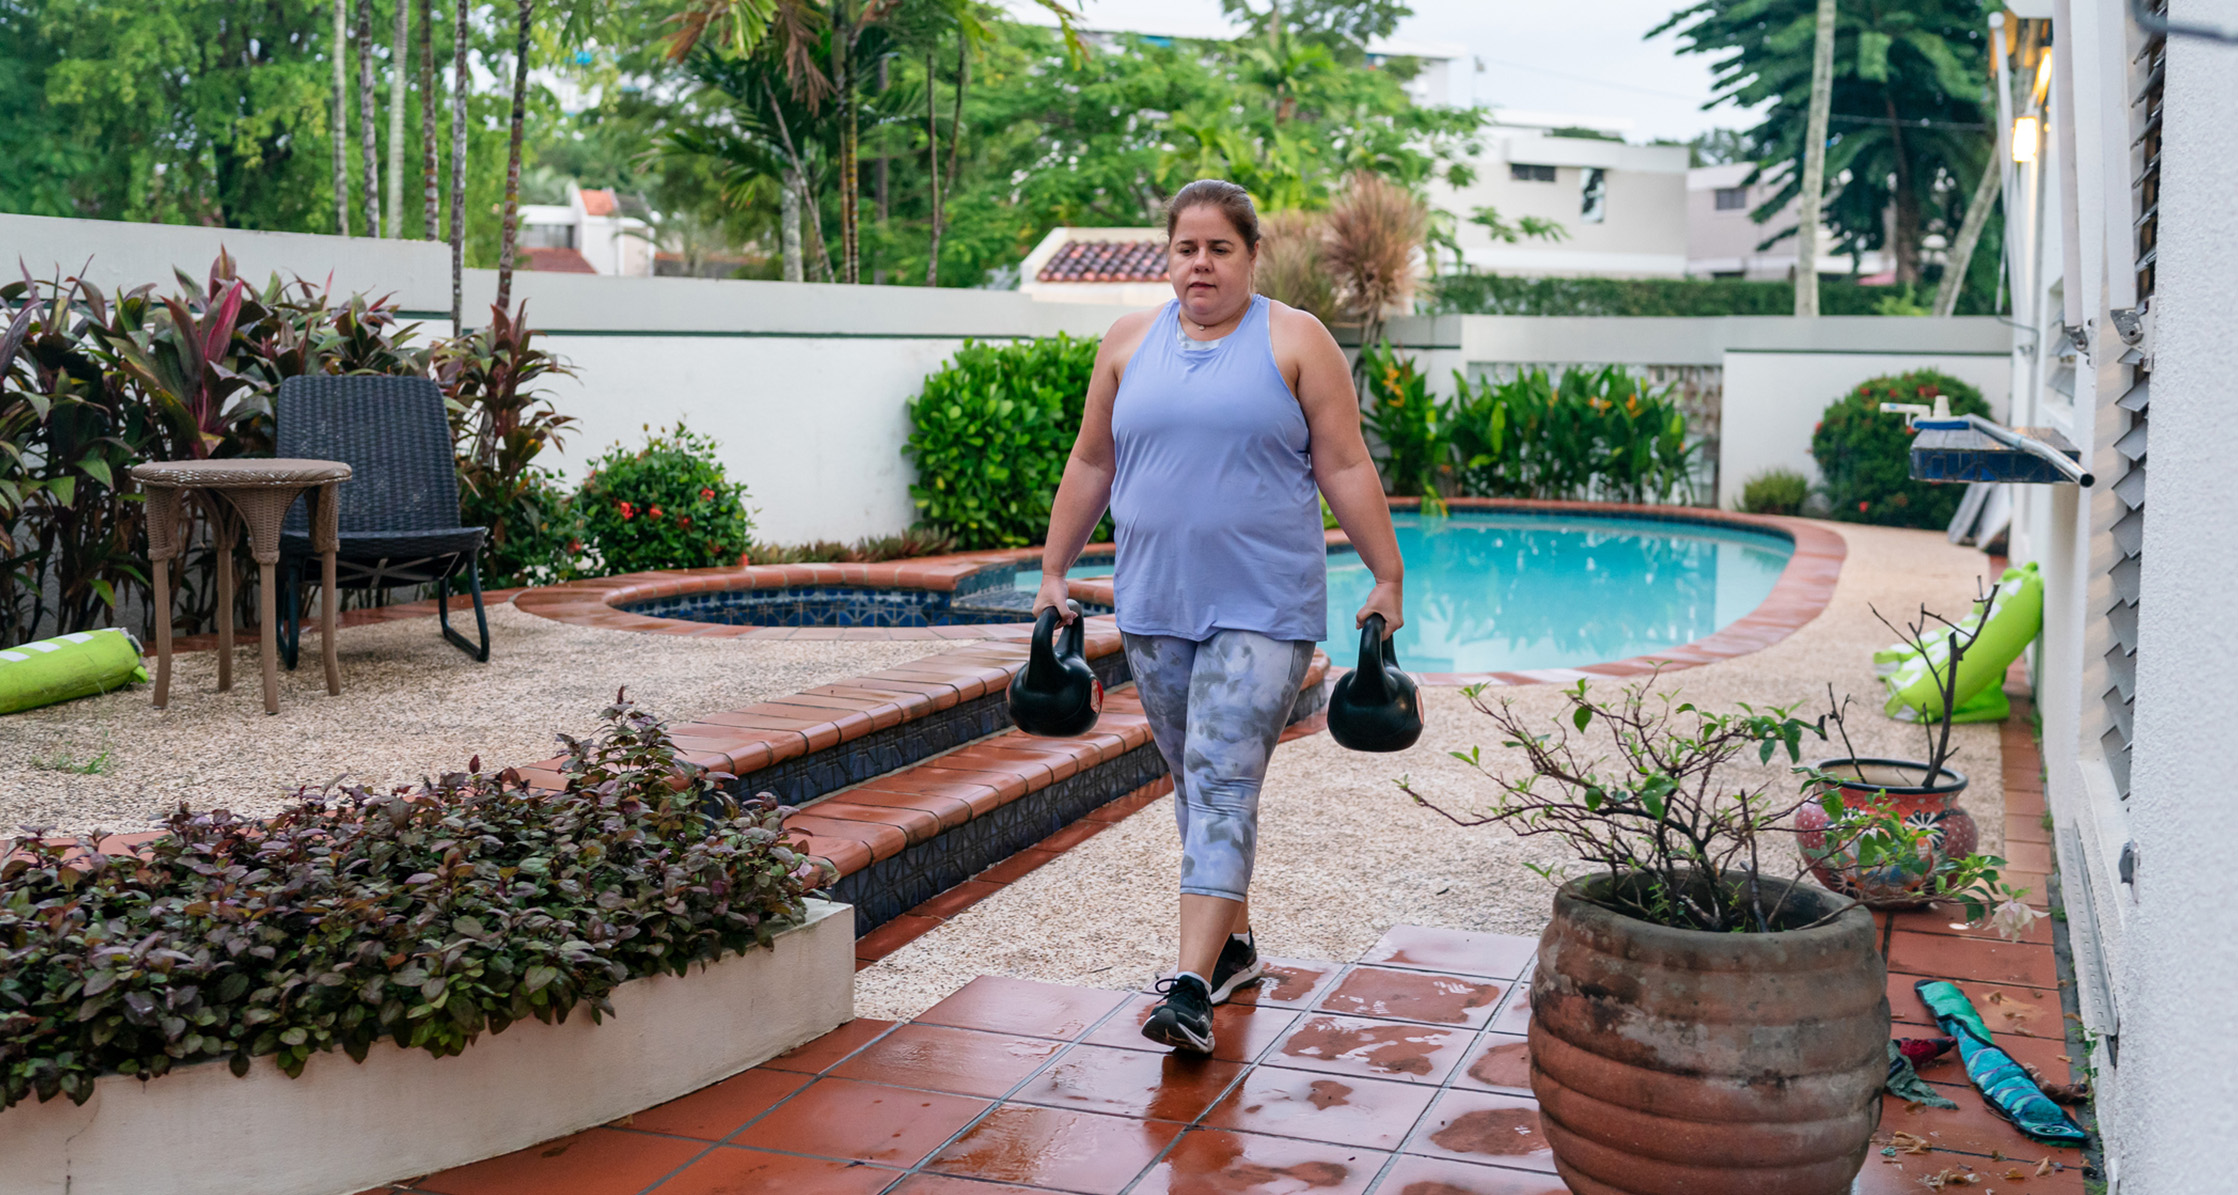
(1405, 1073)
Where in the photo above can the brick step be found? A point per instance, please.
(901, 838)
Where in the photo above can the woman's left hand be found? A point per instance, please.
(1385, 599)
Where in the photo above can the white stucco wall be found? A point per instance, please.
(1773, 401)
(2179, 1061)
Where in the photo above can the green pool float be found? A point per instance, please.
(66, 667)
(1994, 638)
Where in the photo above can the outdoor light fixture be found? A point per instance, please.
(2024, 140)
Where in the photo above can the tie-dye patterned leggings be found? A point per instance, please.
(1216, 709)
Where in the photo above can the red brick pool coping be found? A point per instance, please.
(1803, 589)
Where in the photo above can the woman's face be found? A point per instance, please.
(1209, 265)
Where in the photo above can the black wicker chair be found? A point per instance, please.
(399, 509)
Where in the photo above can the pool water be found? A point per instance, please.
(1501, 592)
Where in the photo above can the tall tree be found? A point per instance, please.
(458, 165)
(431, 209)
(399, 64)
(1909, 117)
(368, 113)
(511, 235)
(341, 135)
(1821, 109)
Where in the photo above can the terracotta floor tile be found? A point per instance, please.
(863, 1122)
(733, 1171)
(1216, 1162)
(1240, 1032)
(713, 1113)
(1170, 1086)
(1972, 1129)
(1499, 1062)
(1371, 1049)
(1515, 1015)
(1016, 866)
(1071, 836)
(597, 1160)
(963, 1061)
(1416, 1175)
(1414, 996)
(923, 1183)
(1948, 957)
(1905, 1174)
(1952, 921)
(1049, 1147)
(826, 1051)
(1001, 1004)
(2020, 828)
(957, 899)
(1346, 1109)
(2005, 1008)
(894, 935)
(1289, 983)
(1459, 952)
(1475, 1126)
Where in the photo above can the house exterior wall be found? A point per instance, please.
(1643, 234)
(1723, 242)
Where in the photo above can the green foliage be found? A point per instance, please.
(666, 505)
(1597, 434)
(1865, 457)
(1911, 114)
(1409, 426)
(500, 424)
(1638, 787)
(427, 917)
(872, 549)
(1775, 492)
(990, 435)
(1496, 294)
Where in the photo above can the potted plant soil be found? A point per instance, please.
(1701, 1023)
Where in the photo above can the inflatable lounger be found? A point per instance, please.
(1994, 638)
(66, 667)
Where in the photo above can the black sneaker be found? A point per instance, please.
(1184, 1019)
(1238, 965)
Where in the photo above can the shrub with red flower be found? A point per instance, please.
(694, 516)
(1865, 455)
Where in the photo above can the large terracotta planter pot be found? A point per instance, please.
(1925, 803)
(1679, 1062)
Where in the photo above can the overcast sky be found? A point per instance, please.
(1583, 57)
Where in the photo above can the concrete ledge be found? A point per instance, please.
(343, 1127)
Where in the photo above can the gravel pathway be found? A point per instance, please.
(1343, 855)
(411, 705)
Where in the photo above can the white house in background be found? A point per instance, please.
(1623, 207)
(1721, 239)
(587, 235)
(1098, 265)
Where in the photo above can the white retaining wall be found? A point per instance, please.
(805, 385)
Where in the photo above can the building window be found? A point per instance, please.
(1593, 202)
(1530, 174)
(1732, 199)
(548, 236)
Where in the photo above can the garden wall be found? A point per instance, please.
(805, 384)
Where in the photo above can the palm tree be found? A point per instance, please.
(399, 66)
(367, 113)
(432, 208)
(458, 165)
(512, 229)
(341, 118)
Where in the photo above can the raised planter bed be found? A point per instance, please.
(343, 1126)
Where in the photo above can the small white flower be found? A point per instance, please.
(2011, 919)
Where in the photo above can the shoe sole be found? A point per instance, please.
(1252, 973)
(1166, 1033)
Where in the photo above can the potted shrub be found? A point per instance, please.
(1700, 1022)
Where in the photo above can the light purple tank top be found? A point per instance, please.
(1214, 495)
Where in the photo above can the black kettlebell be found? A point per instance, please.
(1375, 707)
(1056, 695)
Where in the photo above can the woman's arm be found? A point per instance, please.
(1341, 464)
(1085, 492)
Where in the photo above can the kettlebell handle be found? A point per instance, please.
(1045, 645)
(1376, 655)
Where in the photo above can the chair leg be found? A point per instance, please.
(480, 653)
(291, 611)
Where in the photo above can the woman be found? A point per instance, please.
(1210, 424)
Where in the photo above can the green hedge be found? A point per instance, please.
(1865, 457)
(990, 436)
(425, 916)
(1496, 294)
(666, 505)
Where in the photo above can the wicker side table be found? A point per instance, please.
(257, 493)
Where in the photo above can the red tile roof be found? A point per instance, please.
(1106, 261)
(557, 261)
(598, 203)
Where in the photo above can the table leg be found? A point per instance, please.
(162, 571)
(221, 532)
(267, 615)
(327, 649)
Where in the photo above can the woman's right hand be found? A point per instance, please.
(1054, 592)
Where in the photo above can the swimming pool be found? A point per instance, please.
(1506, 591)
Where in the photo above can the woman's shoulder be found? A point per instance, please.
(1127, 332)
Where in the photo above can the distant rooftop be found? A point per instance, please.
(556, 261)
(1106, 261)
